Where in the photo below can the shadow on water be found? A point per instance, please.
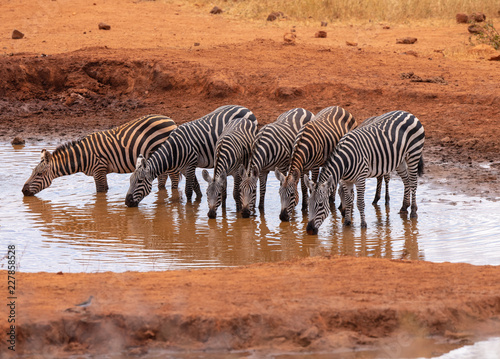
(69, 227)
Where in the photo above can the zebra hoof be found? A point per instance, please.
(413, 214)
(347, 222)
(363, 225)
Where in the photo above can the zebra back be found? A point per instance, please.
(317, 139)
(381, 146)
(234, 146)
(196, 140)
(274, 142)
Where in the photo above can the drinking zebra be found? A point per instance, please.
(112, 151)
(386, 177)
(313, 144)
(393, 142)
(191, 145)
(233, 150)
(272, 149)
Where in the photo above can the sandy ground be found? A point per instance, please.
(66, 78)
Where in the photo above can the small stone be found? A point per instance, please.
(196, 44)
(474, 29)
(462, 18)
(477, 17)
(275, 15)
(104, 26)
(386, 27)
(16, 35)
(406, 40)
(17, 141)
(349, 43)
(289, 38)
(324, 23)
(320, 34)
(216, 10)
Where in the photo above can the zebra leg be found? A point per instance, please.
(174, 179)
(236, 191)
(191, 182)
(224, 195)
(262, 184)
(413, 179)
(349, 199)
(162, 180)
(402, 171)
(101, 182)
(360, 192)
(387, 178)
(196, 188)
(305, 197)
(378, 191)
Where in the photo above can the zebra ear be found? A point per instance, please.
(45, 155)
(309, 184)
(296, 175)
(279, 175)
(206, 176)
(141, 162)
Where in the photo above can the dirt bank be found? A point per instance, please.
(66, 78)
(311, 304)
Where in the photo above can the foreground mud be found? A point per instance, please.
(305, 305)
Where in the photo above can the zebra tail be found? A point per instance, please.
(420, 168)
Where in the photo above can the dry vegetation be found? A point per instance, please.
(377, 10)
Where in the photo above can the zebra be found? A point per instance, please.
(112, 151)
(383, 178)
(271, 149)
(233, 150)
(191, 145)
(313, 144)
(394, 142)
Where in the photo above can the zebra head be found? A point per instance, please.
(288, 192)
(215, 189)
(141, 183)
(41, 177)
(248, 190)
(319, 207)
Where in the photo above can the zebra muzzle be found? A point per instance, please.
(284, 216)
(311, 228)
(27, 191)
(212, 214)
(245, 213)
(129, 201)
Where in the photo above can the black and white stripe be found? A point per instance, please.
(394, 141)
(313, 144)
(191, 145)
(100, 153)
(233, 151)
(272, 149)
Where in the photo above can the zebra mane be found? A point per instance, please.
(63, 147)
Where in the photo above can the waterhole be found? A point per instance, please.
(69, 227)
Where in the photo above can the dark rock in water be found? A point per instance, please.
(104, 26)
(17, 141)
(16, 35)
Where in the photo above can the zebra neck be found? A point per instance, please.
(163, 160)
(69, 158)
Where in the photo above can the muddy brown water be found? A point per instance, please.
(69, 227)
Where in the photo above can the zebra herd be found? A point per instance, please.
(330, 145)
